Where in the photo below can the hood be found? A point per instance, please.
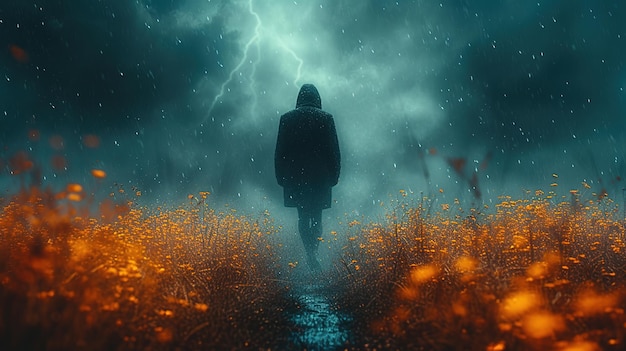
(308, 96)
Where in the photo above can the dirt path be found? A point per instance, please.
(319, 325)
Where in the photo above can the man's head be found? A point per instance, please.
(308, 96)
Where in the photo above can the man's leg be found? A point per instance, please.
(309, 226)
(304, 227)
(303, 224)
(316, 227)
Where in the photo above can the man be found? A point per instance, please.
(307, 164)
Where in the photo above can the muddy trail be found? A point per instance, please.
(318, 323)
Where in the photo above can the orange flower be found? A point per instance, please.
(98, 173)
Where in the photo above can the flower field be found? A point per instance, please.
(531, 274)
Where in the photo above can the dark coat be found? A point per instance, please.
(307, 159)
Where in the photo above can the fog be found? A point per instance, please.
(185, 96)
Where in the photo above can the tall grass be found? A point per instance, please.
(530, 274)
(136, 278)
(533, 274)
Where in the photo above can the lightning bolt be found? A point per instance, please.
(254, 40)
(296, 57)
(244, 58)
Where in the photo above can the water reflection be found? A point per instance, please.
(319, 325)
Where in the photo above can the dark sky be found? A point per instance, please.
(186, 95)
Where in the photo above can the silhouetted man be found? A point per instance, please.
(307, 164)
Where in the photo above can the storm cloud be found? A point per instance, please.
(186, 95)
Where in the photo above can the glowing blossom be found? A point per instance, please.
(98, 173)
(542, 324)
(423, 274)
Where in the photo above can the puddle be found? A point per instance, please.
(319, 326)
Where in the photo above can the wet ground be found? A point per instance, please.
(319, 325)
